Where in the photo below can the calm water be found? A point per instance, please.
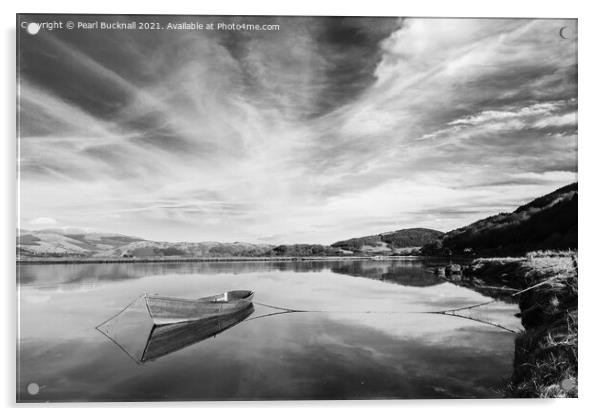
(341, 354)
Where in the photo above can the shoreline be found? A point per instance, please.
(92, 260)
(545, 353)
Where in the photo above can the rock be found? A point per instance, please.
(453, 269)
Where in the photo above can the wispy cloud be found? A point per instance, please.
(43, 221)
(327, 129)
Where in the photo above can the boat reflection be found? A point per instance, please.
(143, 341)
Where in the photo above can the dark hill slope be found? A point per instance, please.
(546, 223)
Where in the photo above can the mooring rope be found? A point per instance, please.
(476, 320)
(120, 312)
(270, 314)
(289, 310)
(279, 307)
(545, 282)
(467, 307)
(449, 312)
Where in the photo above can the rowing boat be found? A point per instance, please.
(152, 326)
(144, 341)
(166, 310)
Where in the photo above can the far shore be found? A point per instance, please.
(91, 260)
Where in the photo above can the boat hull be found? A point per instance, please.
(166, 311)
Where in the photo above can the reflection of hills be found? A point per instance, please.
(410, 273)
(90, 273)
(406, 273)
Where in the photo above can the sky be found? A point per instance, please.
(326, 129)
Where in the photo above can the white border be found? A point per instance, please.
(590, 179)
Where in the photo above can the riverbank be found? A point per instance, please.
(546, 286)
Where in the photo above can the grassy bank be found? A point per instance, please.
(546, 284)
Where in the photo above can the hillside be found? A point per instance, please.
(546, 223)
(70, 243)
(183, 249)
(77, 243)
(395, 242)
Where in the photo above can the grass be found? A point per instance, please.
(551, 253)
(545, 359)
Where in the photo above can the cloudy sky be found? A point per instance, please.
(327, 129)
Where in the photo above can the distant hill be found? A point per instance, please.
(395, 242)
(68, 242)
(78, 243)
(81, 244)
(546, 223)
(204, 249)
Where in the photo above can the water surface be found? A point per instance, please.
(395, 351)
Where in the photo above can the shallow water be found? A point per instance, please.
(395, 351)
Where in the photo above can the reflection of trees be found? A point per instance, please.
(51, 274)
(406, 273)
(410, 273)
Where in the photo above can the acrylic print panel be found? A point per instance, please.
(277, 208)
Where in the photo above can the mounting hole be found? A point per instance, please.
(33, 388)
(33, 28)
(567, 384)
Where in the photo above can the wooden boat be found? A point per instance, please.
(165, 310)
(154, 326)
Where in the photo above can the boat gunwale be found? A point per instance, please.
(201, 300)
